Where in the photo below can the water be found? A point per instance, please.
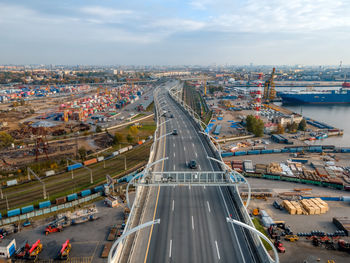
(334, 115)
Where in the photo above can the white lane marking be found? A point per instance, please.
(192, 223)
(199, 166)
(184, 149)
(217, 249)
(173, 205)
(208, 206)
(193, 145)
(174, 145)
(234, 230)
(171, 244)
(195, 153)
(189, 187)
(174, 154)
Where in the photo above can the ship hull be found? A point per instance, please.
(316, 98)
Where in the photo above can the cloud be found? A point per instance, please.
(200, 4)
(105, 12)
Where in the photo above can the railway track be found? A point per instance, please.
(63, 184)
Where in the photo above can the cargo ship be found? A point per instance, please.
(316, 97)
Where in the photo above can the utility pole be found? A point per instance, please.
(7, 203)
(125, 163)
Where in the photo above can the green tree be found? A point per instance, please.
(118, 137)
(258, 128)
(255, 125)
(302, 125)
(82, 153)
(5, 140)
(250, 122)
(133, 130)
(129, 138)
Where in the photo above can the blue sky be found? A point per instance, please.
(175, 32)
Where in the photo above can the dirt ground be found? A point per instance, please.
(302, 250)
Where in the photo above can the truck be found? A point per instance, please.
(53, 229)
(65, 250)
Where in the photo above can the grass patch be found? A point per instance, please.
(259, 227)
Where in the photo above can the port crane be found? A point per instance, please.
(269, 88)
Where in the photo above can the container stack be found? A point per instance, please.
(237, 165)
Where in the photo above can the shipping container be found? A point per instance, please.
(115, 153)
(14, 212)
(49, 173)
(61, 200)
(240, 153)
(226, 154)
(27, 209)
(300, 160)
(91, 161)
(100, 158)
(74, 166)
(44, 204)
(123, 150)
(72, 197)
(99, 188)
(11, 182)
(85, 193)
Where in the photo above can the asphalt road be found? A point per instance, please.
(193, 219)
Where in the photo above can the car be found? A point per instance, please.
(192, 164)
(171, 116)
(175, 132)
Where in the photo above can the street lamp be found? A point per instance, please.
(112, 256)
(233, 221)
(236, 173)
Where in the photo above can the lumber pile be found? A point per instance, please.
(313, 206)
(274, 168)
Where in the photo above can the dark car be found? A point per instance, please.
(171, 116)
(174, 132)
(192, 164)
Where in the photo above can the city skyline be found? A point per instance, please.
(175, 33)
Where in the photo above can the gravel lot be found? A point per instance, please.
(303, 250)
(87, 239)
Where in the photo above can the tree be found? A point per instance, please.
(118, 137)
(280, 129)
(250, 122)
(292, 127)
(98, 128)
(129, 138)
(5, 140)
(133, 130)
(302, 125)
(82, 153)
(258, 128)
(255, 125)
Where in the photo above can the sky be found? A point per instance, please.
(175, 32)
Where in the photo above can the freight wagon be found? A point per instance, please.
(74, 166)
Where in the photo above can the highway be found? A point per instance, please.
(193, 219)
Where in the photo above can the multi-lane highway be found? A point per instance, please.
(193, 219)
